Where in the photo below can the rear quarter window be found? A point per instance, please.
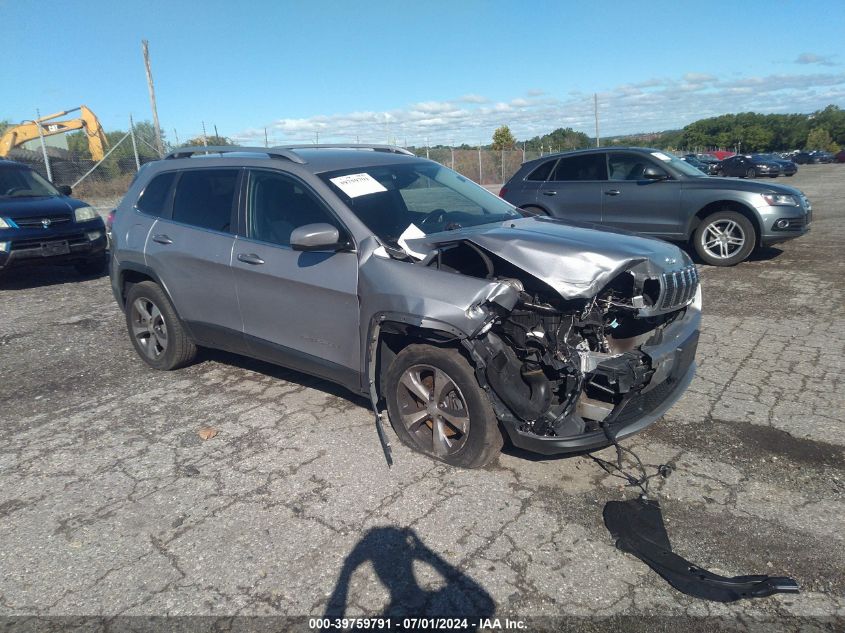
(542, 172)
(154, 198)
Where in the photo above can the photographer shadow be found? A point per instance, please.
(392, 552)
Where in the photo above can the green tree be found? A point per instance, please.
(212, 140)
(819, 138)
(503, 138)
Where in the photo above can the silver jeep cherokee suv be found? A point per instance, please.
(404, 281)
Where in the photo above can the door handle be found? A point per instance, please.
(612, 192)
(162, 239)
(550, 193)
(250, 258)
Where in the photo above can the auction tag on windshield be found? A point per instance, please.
(661, 156)
(355, 185)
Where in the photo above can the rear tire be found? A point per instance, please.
(437, 407)
(751, 173)
(156, 332)
(724, 238)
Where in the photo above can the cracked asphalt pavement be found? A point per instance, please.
(111, 504)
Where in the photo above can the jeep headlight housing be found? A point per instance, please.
(83, 214)
(780, 200)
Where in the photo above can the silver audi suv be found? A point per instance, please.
(461, 318)
(653, 193)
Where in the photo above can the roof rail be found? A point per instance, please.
(393, 149)
(272, 152)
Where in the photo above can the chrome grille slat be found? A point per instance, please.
(678, 287)
(27, 223)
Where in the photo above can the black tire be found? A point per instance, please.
(789, 175)
(178, 349)
(751, 173)
(481, 440)
(95, 266)
(535, 211)
(710, 254)
(720, 172)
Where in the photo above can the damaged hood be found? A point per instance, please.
(577, 261)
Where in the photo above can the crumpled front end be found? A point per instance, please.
(571, 354)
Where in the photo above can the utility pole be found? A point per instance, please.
(265, 138)
(145, 47)
(176, 136)
(43, 145)
(204, 136)
(134, 146)
(596, 111)
(318, 137)
(426, 147)
(216, 135)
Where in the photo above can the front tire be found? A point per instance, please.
(437, 407)
(154, 327)
(724, 238)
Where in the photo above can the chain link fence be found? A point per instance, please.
(101, 182)
(484, 166)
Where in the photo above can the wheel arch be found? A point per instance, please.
(393, 333)
(131, 274)
(720, 205)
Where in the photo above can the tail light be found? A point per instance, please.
(502, 192)
(110, 219)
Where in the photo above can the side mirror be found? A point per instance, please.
(65, 190)
(653, 173)
(316, 237)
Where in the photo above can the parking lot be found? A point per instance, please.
(112, 504)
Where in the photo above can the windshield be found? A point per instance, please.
(24, 183)
(681, 165)
(390, 198)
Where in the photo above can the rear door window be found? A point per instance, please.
(154, 199)
(205, 198)
(584, 167)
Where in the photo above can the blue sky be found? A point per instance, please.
(446, 71)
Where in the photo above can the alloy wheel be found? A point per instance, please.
(149, 328)
(433, 410)
(722, 239)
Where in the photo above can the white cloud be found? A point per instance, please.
(651, 105)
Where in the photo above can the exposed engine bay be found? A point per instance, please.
(562, 367)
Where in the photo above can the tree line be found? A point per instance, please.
(746, 131)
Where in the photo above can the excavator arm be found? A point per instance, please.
(86, 121)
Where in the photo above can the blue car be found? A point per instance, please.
(40, 224)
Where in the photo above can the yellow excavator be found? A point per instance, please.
(28, 130)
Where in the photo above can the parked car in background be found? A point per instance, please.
(787, 167)
(700, 166)
(408, 283)
(40, 224)
(812, 158)
(747, 166)
(839, 157)
(711, 162)
(652, 193)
